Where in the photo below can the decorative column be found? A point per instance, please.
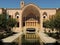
(25, 23)
(41, 21)
(20, 21)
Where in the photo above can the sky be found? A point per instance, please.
(40, 3)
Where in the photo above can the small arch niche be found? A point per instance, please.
(17, 14)
(44, 15)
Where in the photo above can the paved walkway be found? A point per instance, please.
(45, 38)
(11, 38)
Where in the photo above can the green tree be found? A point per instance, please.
(46, 24)
(49, 24)
(6, 23)
(57, 21)
(10, 23)
(2, 21)
(52, 23)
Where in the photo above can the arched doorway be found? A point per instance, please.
(31, 17)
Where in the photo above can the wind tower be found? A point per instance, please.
(22, 4)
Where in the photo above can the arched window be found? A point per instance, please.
(17, 24)
(44, 15)
(9, 16)
(17, 15)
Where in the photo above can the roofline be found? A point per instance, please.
(13, 8)
(37, 6)
(48, 8)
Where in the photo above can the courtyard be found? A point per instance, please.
(29, 25)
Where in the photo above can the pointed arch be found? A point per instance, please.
(30, 11)
(44, 15)
(17, 14)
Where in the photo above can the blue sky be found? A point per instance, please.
(40, 3)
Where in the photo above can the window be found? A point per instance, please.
(23, 23)
(22, 3)
(17, 24)
(17, 15)
(44, 15)
(9, 16)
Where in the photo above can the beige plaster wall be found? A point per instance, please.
(0, 10)
(41, 11)
(12, 12)
(49, 12)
